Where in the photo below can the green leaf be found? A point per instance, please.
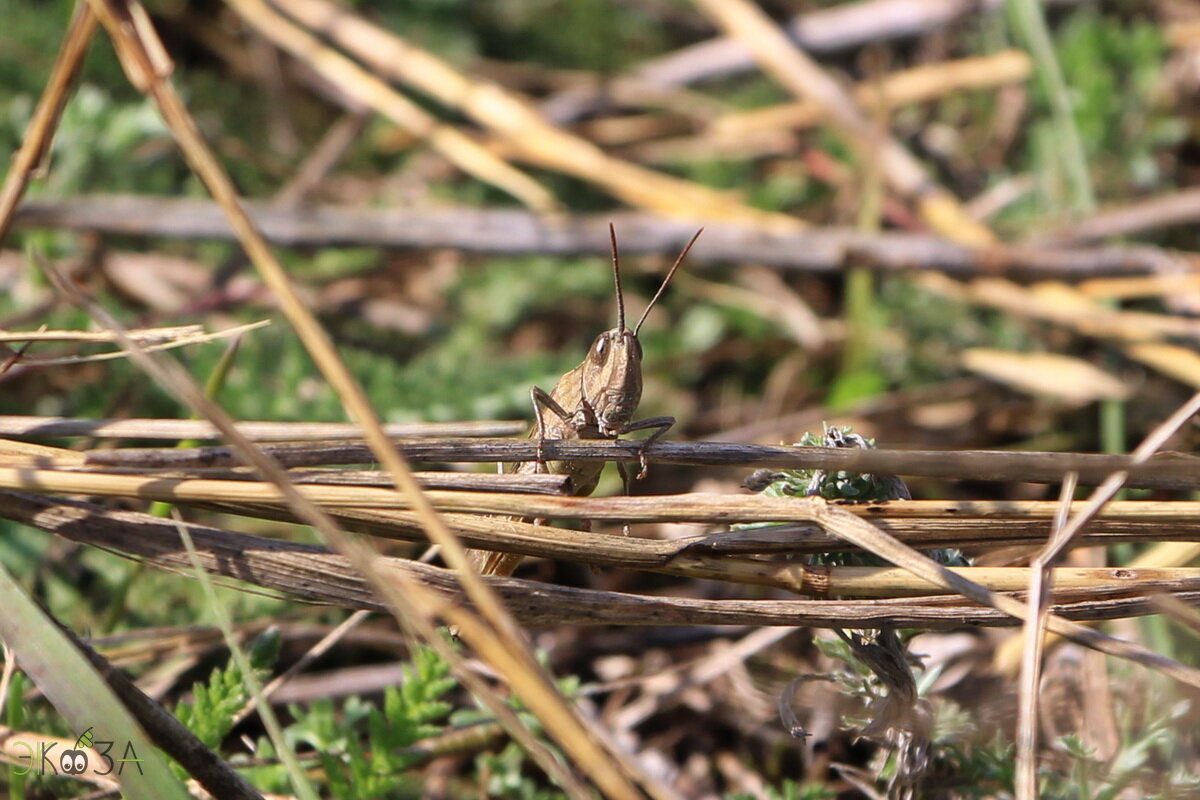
(78, 692)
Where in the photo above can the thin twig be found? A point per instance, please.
(1041, 581)
(324, 645)
(1127, 219)
(1007, 655)
(182, 340)
(1166, 471)
(512, 231)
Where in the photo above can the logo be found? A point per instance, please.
(76, 760)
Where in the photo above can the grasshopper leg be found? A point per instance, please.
(542, 400)
(661, 426)
(627, 482)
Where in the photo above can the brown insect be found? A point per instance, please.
(596, 400)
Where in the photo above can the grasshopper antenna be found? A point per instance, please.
(666, 280)
(612, 234)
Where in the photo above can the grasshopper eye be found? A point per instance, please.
(600, 350)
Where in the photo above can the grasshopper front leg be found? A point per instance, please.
(568, 425)
(661, 426)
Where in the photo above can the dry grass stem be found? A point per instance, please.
(314, 574)
(1167, 555)
(694, 507)
(40, 131)
(1142, 216)
(807, 80)
(1065, 305)
(1052, 375)
(155, 341)
(56, 427)
(818, 30)
(1007, 659)
(704, 558)
(362, 86)
(326, 643)
(1182, 613)
(1176, 362)
(143, 336)
(691, 560)
(713, 556)
(1133, 288)
(1139, 335)
(916, 85)
(853, 529)
(745, 133)
(511, 117)
(499, 641)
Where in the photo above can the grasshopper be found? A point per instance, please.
(596, 400)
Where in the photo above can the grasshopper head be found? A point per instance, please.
(612, 379)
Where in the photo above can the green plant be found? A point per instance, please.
(366, 750)
(841, 486)
(1114, 69)
(503, 775)
(211, 713)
